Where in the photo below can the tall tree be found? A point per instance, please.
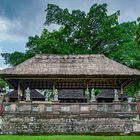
(80, 33)
(85, 33)
(93, 32)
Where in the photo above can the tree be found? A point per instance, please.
(80, 33)
(85, 33)
(138, 32)
(3, 84)
(93, 32)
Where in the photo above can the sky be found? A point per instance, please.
(20, 19)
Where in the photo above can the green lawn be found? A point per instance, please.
(58, 137)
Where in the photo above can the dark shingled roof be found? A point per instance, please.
(48, 65)
(34, 94)
(71, 94)
(109, 94)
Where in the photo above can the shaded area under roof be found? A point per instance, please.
(107, 95)
(71, 94)
(34, 94)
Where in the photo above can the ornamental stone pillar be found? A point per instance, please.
(28, 95)
(116, 97)
(117, 105)
(93, 98)
(87, 93)
(56, 95)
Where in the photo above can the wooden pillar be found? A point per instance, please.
(53, 90)
(20, 90)
(87, 92)
(121, 92)
(84, 88)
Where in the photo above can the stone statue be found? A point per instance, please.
(28, 98)
(116, 97)
(93, 99)
(56, 95)
(130, 100)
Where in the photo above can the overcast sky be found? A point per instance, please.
(22, 18)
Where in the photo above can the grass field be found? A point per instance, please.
(58, 137)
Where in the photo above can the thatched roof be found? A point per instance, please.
(71, 94)
(48, 65)
(109, 94)
(34, 94)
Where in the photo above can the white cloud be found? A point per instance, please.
(2, 66)
(5, 27)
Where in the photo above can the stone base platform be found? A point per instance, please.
(64, 123)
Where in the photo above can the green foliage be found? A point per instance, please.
(128, 51)
(93, 32)
(133, 89)
(138, 32)
(3, 84)
(14, 58)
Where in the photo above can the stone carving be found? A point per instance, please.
(55, 95)
(7, 108)
(13, 107)
(116, 97)
(35, 108)
(49, 109)
(93, 99)
(130, 100)
(84, 108)
(41, 108)
(28, 98)
(24, 108)
(65, 108)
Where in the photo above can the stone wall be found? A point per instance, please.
(27, 123)
(29, 117)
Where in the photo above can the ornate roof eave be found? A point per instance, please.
(26, 76)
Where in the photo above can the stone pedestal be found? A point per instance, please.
(117, 106)
(116, 98)
(129, 107)
(28, 98)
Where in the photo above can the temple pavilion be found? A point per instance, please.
(71, 72)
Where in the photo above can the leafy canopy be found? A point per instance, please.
(79, 33)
